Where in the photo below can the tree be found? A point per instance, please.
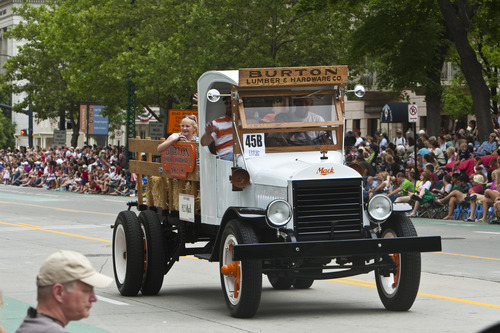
(458, 16)
(457, 101)
(38, 71)
(6, 132)
(404, 43)
(85, 50)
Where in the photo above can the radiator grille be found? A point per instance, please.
(327, 209)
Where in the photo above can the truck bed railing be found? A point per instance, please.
(162, 189)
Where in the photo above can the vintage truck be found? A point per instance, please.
(286, 206)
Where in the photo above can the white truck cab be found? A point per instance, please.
(285, 206)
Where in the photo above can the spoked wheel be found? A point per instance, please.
(398, 289)
(128, 253)
(154, 254)
(241, 280)
(280, 283)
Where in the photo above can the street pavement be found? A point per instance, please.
(459, 290)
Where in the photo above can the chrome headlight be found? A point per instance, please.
(380, 208)
(278, 213)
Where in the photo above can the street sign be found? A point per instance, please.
(118, 134)
(412, 113)
(175, 118)
(59, 138)
(156, 130)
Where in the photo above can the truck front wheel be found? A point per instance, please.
(398, 288)
(241, 280)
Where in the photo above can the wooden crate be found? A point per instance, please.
(162, 188)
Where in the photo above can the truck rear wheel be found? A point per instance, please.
(303, 283)
(398, 289)
(241, 280)
(128, 253)
(154, 254)
(279, 283)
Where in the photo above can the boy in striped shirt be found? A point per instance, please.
(220, 131)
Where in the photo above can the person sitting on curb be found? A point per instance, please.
(65, 292)
(458, 196)
(487, 147)
(384, 186)
(404, 188)
(423, 188)
(446, 188)
(489, 198)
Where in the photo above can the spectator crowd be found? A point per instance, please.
(452, 171)
(90, 169)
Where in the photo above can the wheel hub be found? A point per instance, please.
(233, 270)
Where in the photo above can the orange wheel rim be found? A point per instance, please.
(233, 270)
(397, 260)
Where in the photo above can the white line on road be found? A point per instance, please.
(111, 301)
(487, 232)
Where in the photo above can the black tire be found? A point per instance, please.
(154, 269)
(280, 283)
(128, 254)
(242, 293)
(303, 283)
(398, 291)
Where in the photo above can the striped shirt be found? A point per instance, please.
(223, 135)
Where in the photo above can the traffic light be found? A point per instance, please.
(24, 132)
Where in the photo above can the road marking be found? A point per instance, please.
(468, 256)
(487, 232)
(370, 284)
(39, 228)
(55, 208)
(111, 301)
(361, 283)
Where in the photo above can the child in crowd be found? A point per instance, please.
(6, 175)
(384, 186)
(371, 184)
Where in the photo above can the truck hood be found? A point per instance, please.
(277, 169)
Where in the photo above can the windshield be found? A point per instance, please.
(295, 119)
(296, 108)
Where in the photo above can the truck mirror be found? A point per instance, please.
(213, 95)
(359, 90)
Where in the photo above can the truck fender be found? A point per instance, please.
(401, 207)
(251, 215)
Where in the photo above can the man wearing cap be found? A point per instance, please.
(399, 140)
(65, 292)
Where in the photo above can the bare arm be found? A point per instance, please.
(206, 138)
(170, 140)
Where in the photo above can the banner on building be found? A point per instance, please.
(394, 112)
(92, 120)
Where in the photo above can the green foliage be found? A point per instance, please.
(457, 101)
(402, 41)
(89, 49)
(6, 132)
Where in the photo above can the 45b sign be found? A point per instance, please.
(253, 145)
